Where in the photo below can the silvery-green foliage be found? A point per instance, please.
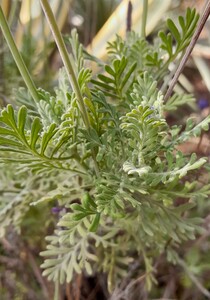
(128, 207)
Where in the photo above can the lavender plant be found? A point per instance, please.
(100, 148)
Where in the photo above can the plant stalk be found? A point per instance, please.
(69, 68)
(65, 58)
(129, 17)
(196, 35)
(197, 283)
(56, 292)
(144, 18)
(17, 57)
(12, 12)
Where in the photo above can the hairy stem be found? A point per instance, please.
(17, 57)
(144, 18)
(196, 35)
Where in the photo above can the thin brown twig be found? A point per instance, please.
(196, 35)
(68, 292)
(6, 244)
(200, 141)
(129, 17)
(129, 286)
(37, 273)
(11, 262)
(78, 285)
(170, 288)
(165, 299)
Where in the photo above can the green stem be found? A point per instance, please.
(17, 57)
(56, 292)
(69, 68)
(65, 58)
(193, 278)
(144, 18)
(12, 12)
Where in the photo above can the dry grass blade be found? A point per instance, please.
(116, 24)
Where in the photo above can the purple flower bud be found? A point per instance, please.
(55, 210)
(203, 103)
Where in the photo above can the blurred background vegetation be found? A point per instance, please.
(97, 22)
